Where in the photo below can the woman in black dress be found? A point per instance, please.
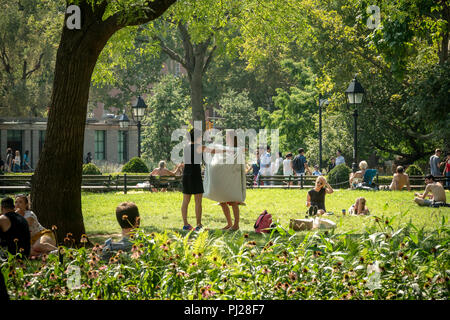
(316, 197)
(192, 179)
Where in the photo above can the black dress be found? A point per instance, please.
(192, 173)
(318, 198)
(19, 230)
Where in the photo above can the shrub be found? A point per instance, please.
(414, 170)
(338, 176)
(135, 165)
(90, 168)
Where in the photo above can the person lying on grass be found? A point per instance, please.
(437, 193)
(42, 239)
(359, 207)
(127, 215)
(315, 199)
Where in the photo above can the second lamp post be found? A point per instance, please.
(355, 94)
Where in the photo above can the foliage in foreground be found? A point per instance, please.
(381, 263)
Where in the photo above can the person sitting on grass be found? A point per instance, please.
(316, 197)
(14, 231)
(42, 240)
(359, 207)
(162, 171)
(437, 193)
(400, 180)
(127, 215)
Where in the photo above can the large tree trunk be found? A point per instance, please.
(196, 83)
(56, 192)
(56, 186)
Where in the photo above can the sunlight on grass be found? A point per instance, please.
(161, 211)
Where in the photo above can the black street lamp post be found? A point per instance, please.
(355, 94)
(322, 102)
(138, 113)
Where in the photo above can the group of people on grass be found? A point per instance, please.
(14, 162)
(21, 231)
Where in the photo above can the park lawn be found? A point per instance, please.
(161, 211)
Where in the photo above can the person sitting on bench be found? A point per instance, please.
(400, 180)
(161, 172)
(437, 195)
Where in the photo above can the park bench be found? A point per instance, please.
(173, 182)
(15, 183)
(96, 183)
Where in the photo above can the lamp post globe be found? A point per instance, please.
(355, 95)
(138, 113)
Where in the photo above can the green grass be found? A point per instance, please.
(161, 211)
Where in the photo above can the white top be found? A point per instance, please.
(17, 160)
(340, 160)
(287, 169)
(34, 225)
(265, 162)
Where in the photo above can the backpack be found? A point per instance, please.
(263, 222)
(298, 164)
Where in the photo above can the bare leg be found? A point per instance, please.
(226, 212)
(184, 208)
(320, 212)
(235, 207)
(45, 244)
(198, 208)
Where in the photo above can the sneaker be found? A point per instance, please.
(198, 228)
(187, 228)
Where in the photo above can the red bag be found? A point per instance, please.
(263, 222)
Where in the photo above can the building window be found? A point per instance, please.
(41, 140)
(14, 140)
(100, 144)
(122, 146)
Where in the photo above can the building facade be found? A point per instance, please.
(104, 139)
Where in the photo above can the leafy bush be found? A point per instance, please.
(381, 263)
(338, 176)
(414, 170)
(135, 165)
(91, 168)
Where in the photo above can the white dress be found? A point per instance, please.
(265, 163)
(34, 225)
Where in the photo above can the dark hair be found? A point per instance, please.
(430, 177)
(289, 155)
(400, 169)
(268, 147)
(280, 154)
(301, 150)
(25, 197)
(9, 150)
(127, 215)
(7, 203)
(26, 152)
(339, 150)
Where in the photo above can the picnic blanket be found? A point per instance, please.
(225, 182)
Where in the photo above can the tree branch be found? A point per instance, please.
(171, 53)
(37, 66)
(208, 60)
